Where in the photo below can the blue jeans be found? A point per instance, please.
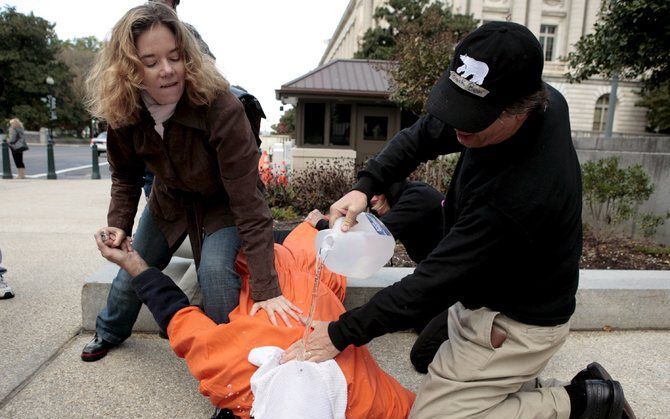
(219, 282)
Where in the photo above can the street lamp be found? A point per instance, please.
(6, 169)
(95, 166)
(51, 103)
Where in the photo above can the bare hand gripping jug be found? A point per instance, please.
(358, 253)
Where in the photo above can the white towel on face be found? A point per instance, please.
(296, 389)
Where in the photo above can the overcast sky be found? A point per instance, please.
(259, 44)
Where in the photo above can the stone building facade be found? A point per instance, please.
(558, 24)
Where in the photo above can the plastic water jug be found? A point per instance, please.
(358, 253)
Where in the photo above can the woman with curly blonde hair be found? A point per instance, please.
(169, 108)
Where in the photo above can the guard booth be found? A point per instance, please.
(343, 111)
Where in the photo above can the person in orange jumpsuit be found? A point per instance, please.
(217, 354)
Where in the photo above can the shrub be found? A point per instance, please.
(653, 250)
(320, 184)
(323, 182)
(284, 213)
(612, 196)
(436, 173)
(277, 194)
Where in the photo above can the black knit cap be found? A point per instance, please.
(495, 65)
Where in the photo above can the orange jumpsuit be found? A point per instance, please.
(217, 355)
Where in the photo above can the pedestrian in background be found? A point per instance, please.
(170, 109)
(17, 143)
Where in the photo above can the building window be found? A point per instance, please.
(600, 115)
(314, 122)
(547, 39)
(340, 124)
(375, 128)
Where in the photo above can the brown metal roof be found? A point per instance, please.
(342, 78)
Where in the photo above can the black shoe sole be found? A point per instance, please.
(599, 372)
(92, 357)
(7, 296)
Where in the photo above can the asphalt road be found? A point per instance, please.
(71, 161)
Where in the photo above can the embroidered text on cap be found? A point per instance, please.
(471, 67)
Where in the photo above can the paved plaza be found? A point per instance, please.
(46, 229)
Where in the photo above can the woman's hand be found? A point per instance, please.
(278, 305)
(349, 206)
(123, 255)
(319, 346)
(111, 236)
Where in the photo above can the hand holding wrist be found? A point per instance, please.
(135, 265)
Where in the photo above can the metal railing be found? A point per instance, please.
(615, 135)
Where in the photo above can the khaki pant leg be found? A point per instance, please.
(470, 379)
(542, 383)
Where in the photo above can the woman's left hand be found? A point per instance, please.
(278, 305)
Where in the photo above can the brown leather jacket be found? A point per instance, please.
(206, 169)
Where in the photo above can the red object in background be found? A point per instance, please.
(282, 178)
(265, 168)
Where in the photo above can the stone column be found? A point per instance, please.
(477, 8)
(576, 16)
(519, 11)
(534, 16)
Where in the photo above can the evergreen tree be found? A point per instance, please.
(419, 36)
(286, 125)
(78, 55)
(657, 100)
(28, 50)
(633, 39)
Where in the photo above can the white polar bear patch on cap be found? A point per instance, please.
(471, 67)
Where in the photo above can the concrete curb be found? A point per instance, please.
(97, 286)
(606, 299)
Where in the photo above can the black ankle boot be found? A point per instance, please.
(604, 399)
(595, 371)
(96, 349)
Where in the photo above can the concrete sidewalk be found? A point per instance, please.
(46, 238)
(144, 379)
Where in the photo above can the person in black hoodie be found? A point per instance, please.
(505, 273)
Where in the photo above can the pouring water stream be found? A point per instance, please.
(312, 308)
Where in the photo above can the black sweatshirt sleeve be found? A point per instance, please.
(451, 269)
(425, 140)
(161, 295)
(322, 224)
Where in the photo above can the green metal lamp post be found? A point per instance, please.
(51, 99)
(6, 168)
(95, 166)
